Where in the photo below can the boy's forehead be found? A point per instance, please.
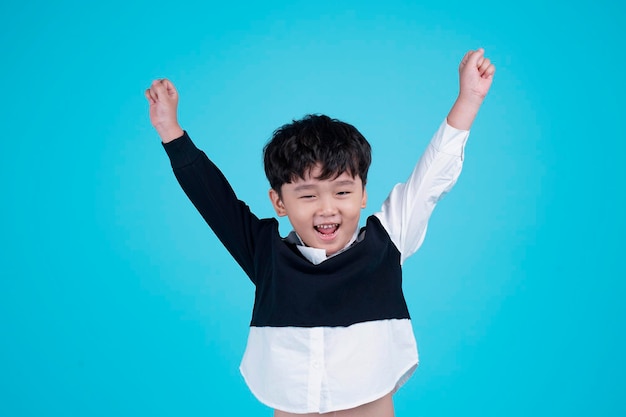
(314, 173)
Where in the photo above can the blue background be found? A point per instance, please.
(116, 299)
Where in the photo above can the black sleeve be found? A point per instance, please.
(209, 191)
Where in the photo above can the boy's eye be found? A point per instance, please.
(307, 196)
(343, 193)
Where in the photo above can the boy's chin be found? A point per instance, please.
(334, 248)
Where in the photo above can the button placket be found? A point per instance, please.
(316, 366)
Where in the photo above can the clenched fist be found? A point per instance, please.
(163, 99)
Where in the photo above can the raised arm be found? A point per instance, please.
(407, 209)
(205, 185)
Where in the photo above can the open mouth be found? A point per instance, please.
(327, 231)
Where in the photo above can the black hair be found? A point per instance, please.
(295, 148)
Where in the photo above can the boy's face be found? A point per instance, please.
(324, 213)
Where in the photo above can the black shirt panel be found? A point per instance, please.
(363, 283)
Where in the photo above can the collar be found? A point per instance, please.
(316, 255)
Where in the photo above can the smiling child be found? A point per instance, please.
(330, 330)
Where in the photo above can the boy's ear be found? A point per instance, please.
(364, 199)
(279, 207)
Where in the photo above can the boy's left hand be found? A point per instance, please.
(475, 75)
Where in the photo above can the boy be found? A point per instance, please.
(330, 331)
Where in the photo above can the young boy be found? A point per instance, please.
(330, 330)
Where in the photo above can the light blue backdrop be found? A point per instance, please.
(116, 299)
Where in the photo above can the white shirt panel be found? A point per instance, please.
(325, 364)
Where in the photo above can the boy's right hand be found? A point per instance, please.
(163, 99)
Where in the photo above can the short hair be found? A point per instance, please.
(297, 147)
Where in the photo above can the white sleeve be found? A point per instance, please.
(408, 207)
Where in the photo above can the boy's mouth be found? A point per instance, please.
(327, 231)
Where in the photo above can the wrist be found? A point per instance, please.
(464, 112)
(169, 132)
(470, 100)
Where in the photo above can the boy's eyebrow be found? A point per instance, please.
(345, 182)
(306, 187)
(303, 187)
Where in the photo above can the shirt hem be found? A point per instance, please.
(400, 381)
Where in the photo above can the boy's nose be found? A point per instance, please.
(327, 207)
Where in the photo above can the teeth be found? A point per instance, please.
(326, 226)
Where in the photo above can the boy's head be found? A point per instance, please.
(297, 147)
(317, 169)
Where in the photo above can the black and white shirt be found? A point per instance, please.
(332, 333)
